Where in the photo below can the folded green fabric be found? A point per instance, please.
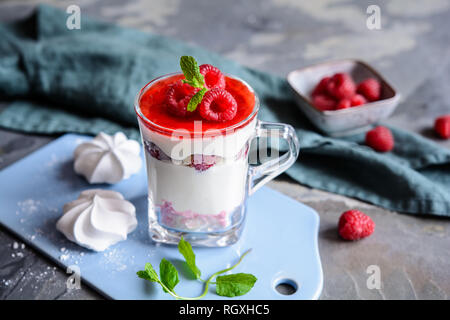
(85, 81)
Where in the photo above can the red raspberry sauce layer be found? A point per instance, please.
(153, 108)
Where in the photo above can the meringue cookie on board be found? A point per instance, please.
(97, 219)
(108, 158)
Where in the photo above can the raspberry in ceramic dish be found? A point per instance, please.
(339, 91)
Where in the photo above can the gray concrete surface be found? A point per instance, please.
(411, 50)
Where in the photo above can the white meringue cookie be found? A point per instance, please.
(108, 158)
(97, 219)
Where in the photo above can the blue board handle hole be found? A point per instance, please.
(286, 287)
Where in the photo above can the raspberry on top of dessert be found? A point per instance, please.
(176, 102)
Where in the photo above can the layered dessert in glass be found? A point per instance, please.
(197, 127)
(197, 169)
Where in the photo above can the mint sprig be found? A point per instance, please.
(231, 285)
(193, 77)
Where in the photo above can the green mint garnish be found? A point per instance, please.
(193, 77)
(149, 273)
(191, 72)
(185, 249)
(168, 274)
(195, 100)
(231, 285)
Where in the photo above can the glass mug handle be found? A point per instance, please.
(263, 173)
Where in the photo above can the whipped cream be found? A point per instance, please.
(108, 158)
(97, 219)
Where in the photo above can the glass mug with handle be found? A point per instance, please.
(199, 176)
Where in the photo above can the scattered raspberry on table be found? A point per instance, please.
(355, 225)
(380, 139)
(442, 126)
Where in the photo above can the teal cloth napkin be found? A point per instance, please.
(85, 81)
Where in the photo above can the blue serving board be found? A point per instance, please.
(281, 231)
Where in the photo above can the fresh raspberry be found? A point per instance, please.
(323, 102)
(218, 105)
(202, 162)
(341, 86)
(321, 87)
(442, 126)
(214, 78)
(370, 89)
(380, 139)
(178, 96)
(358, 100)
(343, 104)
(355, 225)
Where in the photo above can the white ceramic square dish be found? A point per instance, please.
(346, 121)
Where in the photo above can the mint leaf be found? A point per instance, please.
(191, 72)
(195, 100)
(168, 274)
(185, 249)
(193, 77)
(148, 274)
(233, 285)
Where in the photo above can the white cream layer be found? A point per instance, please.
(219, 188)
